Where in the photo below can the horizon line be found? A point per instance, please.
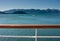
(30, 8)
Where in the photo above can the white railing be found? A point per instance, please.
(8, 36)
(28, 26)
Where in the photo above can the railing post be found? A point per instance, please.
(35, 34)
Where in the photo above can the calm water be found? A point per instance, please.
(29, 19)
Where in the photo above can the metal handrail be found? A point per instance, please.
(29, 26)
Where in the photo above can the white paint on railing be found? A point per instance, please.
(29, 36)
(36, 34)
(17, 36)
(48, 36)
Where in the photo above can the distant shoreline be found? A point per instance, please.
(30, 11)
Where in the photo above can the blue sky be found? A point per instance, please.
(29, 4)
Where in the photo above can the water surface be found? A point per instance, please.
(29, 19)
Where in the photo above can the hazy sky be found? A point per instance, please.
(27, 4)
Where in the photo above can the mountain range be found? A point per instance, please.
(30, 11)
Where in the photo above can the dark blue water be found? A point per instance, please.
(29, 19)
